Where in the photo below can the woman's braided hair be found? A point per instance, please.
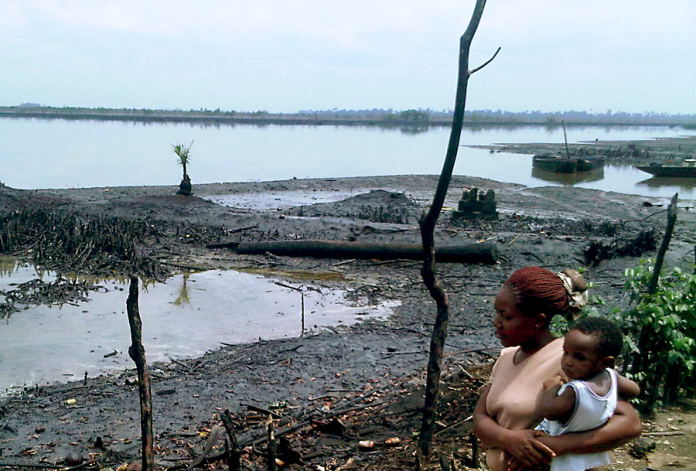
(539, 290)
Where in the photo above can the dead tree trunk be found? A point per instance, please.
(470, 253)
(660, 259)
(137, 354)
(427, 226)
(644, 341)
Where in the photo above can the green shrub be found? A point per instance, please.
(660, 332)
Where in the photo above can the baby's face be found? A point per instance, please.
(580, 358)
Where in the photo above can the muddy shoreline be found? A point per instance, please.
(372, 361)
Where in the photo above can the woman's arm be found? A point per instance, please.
(621, 428)
(521, 444)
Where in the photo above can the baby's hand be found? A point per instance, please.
(553, 382)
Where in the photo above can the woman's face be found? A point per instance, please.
(513, 327)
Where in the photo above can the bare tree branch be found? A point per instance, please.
(427, 226)
(484, 64)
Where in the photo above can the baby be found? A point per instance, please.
(589, 398)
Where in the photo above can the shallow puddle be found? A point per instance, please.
(280, 200)
(184, 317)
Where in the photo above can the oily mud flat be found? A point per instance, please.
(369, 375)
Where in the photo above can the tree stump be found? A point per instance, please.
(185, 187)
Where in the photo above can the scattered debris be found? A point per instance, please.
(597, 251)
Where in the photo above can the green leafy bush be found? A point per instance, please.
(660, 331)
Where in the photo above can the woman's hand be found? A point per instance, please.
(621, 428)
(515, 465)
(554, 382)
(526, 451)
(520, 445)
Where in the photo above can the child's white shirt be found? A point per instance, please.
(591, 411)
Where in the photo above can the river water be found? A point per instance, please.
(71, 154)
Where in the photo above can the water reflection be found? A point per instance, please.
(22, 272)
(569, 179)
(413, 130)
(684, 184)
(47, 344)
(183, 298)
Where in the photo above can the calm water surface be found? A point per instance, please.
(184, 317)
(69, 154)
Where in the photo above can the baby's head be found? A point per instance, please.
(591, 345)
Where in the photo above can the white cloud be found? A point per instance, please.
(628, 19)
(353, 23)
(11, 17)
(343, 23)
(303, 48)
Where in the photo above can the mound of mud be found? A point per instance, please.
(375, 206)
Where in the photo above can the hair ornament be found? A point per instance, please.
(576, 289)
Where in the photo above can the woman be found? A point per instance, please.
(509, 408)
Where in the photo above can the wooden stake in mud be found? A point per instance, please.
(303, 316)
(427, 226)
(271, 450)
(137, 354)
(233, 458)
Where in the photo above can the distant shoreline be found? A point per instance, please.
(232, 120)
(409, 119)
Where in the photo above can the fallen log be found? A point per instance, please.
(472, 253)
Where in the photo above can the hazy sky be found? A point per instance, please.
(285, 56)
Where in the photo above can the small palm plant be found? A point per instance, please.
(184, 155)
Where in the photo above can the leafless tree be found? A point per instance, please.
(427, 227)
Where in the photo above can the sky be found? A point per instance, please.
(286, 56)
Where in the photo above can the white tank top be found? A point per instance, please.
(591, 411)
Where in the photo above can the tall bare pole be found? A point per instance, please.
(137, 353)
(427, 227)
(565, 139)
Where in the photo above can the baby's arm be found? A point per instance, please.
(553, 406)
(627, 388)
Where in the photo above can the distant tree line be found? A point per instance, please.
(515, 117)
(413, 117)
